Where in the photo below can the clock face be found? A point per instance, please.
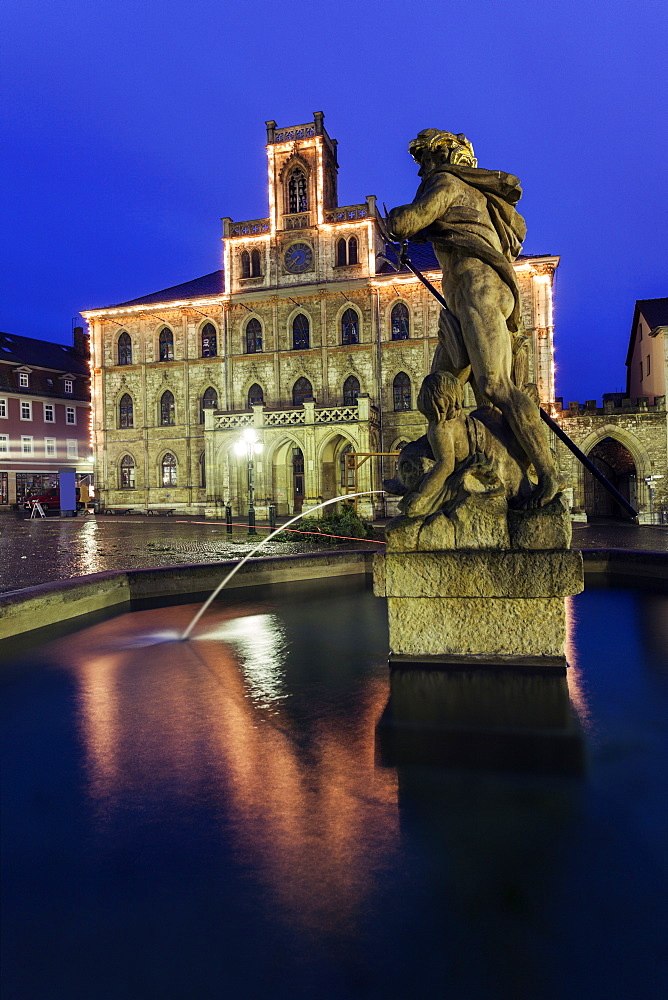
(298, 257)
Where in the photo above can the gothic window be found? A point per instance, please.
(124, 349)
(255, 264)
(126, 411)
(168, 470)
(347, 473)
(253, 336)
(297, 196)
(300, 333)
(401, 389)
(209, 341)
(245, 264)
(166, 340)
(202, 470)
(350, 327)
(300, 390)
(351, 390)
(167, 410)
(255, 395)
(341, 253)
(127, 472)
(400, 324)
(209, 402)
(346, 251)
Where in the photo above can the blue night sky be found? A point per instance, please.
(130, 127)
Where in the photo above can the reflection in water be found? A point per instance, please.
(262, 649)
(188, 722)
(574, 674)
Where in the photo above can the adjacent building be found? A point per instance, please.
(45, 420)
(308, 334)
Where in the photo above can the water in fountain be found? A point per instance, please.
(348, 496)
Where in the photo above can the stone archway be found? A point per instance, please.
(617, 464)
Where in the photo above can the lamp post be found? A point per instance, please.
(249, 445)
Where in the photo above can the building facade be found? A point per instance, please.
(308, 334)
(45, 420)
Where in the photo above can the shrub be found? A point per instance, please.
(345, 523)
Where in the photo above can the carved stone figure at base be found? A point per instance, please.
(479, 446)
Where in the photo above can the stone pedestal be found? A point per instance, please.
(477, 627)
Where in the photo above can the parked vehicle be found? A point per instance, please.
(49, 500)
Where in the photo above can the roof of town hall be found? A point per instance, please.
(421, 254)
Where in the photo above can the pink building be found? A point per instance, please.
(44, 414)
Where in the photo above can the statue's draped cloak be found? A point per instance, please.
(502, 192)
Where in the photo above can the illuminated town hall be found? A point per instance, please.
(308, 335)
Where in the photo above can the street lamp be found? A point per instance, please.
(249, 445)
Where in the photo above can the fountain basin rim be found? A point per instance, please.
(33, 608)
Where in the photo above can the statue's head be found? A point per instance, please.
(441, 395)
(433, 144)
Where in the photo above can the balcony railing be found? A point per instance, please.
(350, 213)
(308, 414)
(255, 227)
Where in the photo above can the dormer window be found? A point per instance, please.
(24, 382)
(69, 385)
(297, 192)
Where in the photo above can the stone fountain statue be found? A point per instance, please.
(478, 563)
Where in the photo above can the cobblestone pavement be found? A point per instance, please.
(41, 551)
(34, 552)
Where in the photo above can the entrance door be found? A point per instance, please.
(617, 465)
(298, 479)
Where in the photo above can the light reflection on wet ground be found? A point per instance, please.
(209, 819)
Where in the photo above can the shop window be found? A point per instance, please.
(169, 470)
(127, 472)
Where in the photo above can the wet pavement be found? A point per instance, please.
(43, 551)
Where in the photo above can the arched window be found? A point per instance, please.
(300, 390)
(245, 264)
(124, 349)
(341, 253)
(346, 471)
(352, 250)
(350, 327)
(127, 472)
(253, 336)
(209, 341)
(209, 402)
(255, 264)
(300, 333)
(401, 389)
(351, 390)
(167, 410)
(255, 395)
(297, 196)
(202, 470)
(169, 470)
(400, 325)
(166, 344)
(126, 411)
